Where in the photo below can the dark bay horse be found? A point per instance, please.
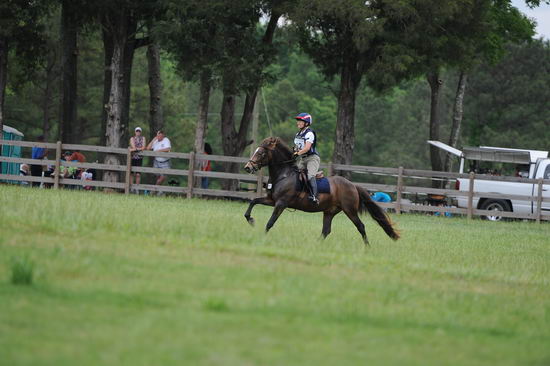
(344, 195)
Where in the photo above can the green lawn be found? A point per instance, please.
(133, 280)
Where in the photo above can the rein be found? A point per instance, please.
(284, 162)
(279, 163)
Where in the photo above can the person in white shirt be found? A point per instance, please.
(305, 151)
(160, 143)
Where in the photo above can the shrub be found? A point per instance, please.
(216, 304)
(22, 271)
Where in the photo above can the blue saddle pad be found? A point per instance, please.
(323, 186)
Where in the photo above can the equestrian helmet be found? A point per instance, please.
(306, 117)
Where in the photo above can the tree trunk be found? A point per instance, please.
(458, 111)
(69, 56)
(202, 120)
(345, 120)
(48, 91)
(3, 81)
(227, 114)
(114, 108)
(107, 76)
(127, 65)
(229, 135)
(233, 142)
(156, 121)
(435, 85)
(118, 27)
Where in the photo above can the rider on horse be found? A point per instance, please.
(306, 152)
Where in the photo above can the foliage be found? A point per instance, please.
(508, 102)
(216, 36)
(24, 107)
(329, 31)
(142, 280)
(22, 271)
(22, 24)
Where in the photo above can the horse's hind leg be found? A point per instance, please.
(352, 215)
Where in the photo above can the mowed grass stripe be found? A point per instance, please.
(146, 280)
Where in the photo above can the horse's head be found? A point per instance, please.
(261, 155)
(272, 149)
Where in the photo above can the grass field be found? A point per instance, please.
(133, 280)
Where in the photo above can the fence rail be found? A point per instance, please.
(400, 188)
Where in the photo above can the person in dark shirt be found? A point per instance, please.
(38, 153)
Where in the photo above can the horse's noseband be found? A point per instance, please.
(254, 165)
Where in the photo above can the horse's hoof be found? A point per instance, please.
(250, 221)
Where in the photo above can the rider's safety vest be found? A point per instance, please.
(303, 136)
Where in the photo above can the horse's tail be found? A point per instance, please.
(367, 204)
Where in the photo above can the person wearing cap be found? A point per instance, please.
(137, 144)
(306, 154)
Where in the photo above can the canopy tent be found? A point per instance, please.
(503, 155)
(490, 153)
(483, 154)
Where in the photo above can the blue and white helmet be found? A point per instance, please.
(306, 117)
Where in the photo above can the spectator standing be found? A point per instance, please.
(137, 144)
(38, 153)
(206, 166)
(160, 143)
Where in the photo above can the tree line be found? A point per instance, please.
(405, 70)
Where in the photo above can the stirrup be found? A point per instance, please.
(314, 199)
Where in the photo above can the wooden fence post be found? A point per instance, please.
(260, 183)
(191, 175)
(330, 169)
(128, 171)
(471, 196)
(57, 165)
(399, 190)
(539, 200)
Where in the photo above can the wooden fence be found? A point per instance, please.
(401, 189)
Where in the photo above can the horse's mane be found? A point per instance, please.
(278, 143)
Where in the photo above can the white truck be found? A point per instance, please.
(531, 164)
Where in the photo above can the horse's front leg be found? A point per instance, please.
(279, 208)
(268, 201)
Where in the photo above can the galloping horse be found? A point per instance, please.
(343, 196)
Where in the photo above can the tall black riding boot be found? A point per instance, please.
(314, 194)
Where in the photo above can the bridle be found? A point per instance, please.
(259, 166)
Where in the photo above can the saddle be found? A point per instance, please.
(302, 175)
(302, 183)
